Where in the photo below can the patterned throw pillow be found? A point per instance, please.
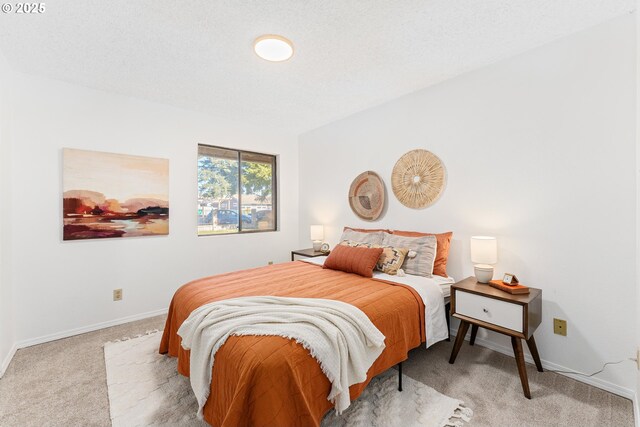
(425, 248)
(367, 230)
(374, 238)
(390, 260)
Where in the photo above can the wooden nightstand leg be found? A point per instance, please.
(474, 331)
(531, 343)
(522, 369)
(462, 332)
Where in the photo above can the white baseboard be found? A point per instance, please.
(72, 332)
(636, 410)
(89, 328)
(596, 382)
(7, 359)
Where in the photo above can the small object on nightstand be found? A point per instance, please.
(516, 316)
(509, 279)
(308, 253)
(325, 248)
(514, 289)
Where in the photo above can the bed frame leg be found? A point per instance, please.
(447, 310)
(400, 376)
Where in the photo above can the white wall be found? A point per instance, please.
(636, 402)
(7, 335)
(65, 287)
(539, 151)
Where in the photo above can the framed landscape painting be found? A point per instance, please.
(107, 195)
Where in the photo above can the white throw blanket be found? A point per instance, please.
(338, 335)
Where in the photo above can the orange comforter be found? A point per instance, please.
(273, 381)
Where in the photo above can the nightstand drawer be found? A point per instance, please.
(490, 310)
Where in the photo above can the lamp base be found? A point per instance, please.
(317, 244)
(484, 273)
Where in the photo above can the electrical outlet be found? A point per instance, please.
(560, 327)
(270, 263)
(117, 294)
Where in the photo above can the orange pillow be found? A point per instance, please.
(358, 260)
(442, 251)
(366, 230)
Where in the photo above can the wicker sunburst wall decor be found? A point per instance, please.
(366, 196)
(418, 179)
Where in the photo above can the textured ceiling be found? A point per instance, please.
(350, 54)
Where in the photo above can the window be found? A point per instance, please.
(236, 191)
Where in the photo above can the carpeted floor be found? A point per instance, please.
(63, 383)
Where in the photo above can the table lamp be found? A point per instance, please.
(317, 234)
(484, 253)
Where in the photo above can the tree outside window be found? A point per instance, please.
(236, 191)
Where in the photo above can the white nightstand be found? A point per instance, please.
(518, 316)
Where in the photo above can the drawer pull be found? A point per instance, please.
(485, 310)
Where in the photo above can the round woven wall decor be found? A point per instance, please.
(366, 196)
(418, 179)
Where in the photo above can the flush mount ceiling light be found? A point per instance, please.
(273, 48)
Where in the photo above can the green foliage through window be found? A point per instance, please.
(236, 191)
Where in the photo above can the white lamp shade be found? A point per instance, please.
(317, 232)
(484, 250)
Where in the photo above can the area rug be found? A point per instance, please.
(146, 390)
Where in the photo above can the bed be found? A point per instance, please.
(273, 381)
